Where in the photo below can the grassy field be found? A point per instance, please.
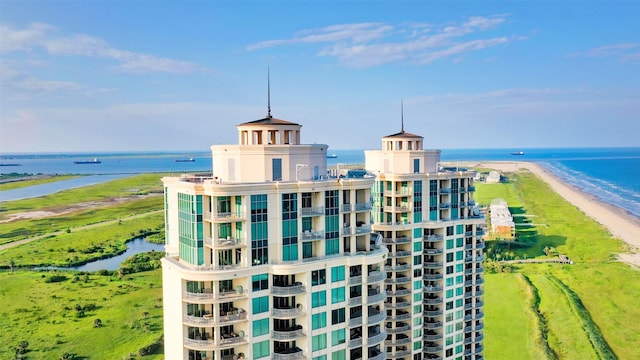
(78, 207)
(37, 181)
(58, 317)
(587, 310)
(509, 314)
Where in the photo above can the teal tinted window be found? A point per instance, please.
(337, 273)
(260, 327)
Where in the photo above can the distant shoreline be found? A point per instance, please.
(619, 222)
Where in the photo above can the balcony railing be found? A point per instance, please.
(432, 325)
(432, 301)
(431, 251)
(400, 328)
(402, 267)
(434, 238)
(363, 229)
(376, 298)
(353, 343)
(287, 335)
(228, 217)
(288, 290)
(312, 211)
(432, 288)
(376, 318)
(445, 190)
(228, 242)
(399, 240)
(291, 354)
(210, 296)
(288, 313)
(310, 235)
(432, 265)
(378, 356)
(375, 276)
(377, 338)
(445, 205)
(432, 276)
(363, 206)
(399, 254)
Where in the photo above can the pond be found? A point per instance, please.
(136, 246)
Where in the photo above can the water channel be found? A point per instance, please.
(136, 246)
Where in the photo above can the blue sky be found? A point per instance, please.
(148, 75)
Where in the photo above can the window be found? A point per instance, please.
(337, 316)
(318, 277)
(318, 320)
(259, 230)
(260, 282)
(449, 244)
(321, 357)
(338, 337)
(260, 327)
(337, 295)
(319, 298)
(276, 165)
(339, 355)
(449, 257)
(260, 304)
(319, 342)
(416, 166)
(459, 255)
(337, 273)
(261, 349)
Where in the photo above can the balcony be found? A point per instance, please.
(400, 240)
(376, 318)
(432, 300)
(400, 328)
(397, 209)
(400, 292)
(225, 243)
(397, 304)
(445, 190)
(480, 232)
(432, 265)
(432, 325)
(431, 348)
(433, 238)
(353, 343)
(226, 341)
(398, 354)
(363, 229)
(432, 277)
(208, 296)
(312, 211)
(376, 338)
(288, 313)
(376, 298)
(400, 340)
(355, 300)
(432, 337)
(432, 313)
(199, 321)
(398, 317)
(444, 205)
(432, 288)
(222, 217)
(294, 289)
(398, 280)
(288, 334)
(400, 267)
(366, 206)
(311, 235)
(376, 276)
(399, 254)
(289, 354)
(432, 251)
(233, 316)
(356, 320)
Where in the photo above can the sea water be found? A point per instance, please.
(611, 174)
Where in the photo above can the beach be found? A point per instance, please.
(617, 221)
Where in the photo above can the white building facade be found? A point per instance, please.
(433, 232)
(268, 258)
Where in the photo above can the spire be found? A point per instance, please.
(268, 93)
(401, 115)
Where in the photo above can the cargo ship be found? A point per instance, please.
(94, 161)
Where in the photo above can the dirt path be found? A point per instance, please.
(59, 232)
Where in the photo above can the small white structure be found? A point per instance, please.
(501, 220)
(493, 177)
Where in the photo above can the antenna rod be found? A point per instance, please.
(401, 115)
(268, 93)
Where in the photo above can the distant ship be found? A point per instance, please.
(185, 160)
(332, 156)
(94, 161)
(12, 164)
(518, 153)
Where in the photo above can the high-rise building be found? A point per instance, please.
(269, 258)
(433, 231)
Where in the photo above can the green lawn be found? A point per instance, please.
(510, 318)
(590, 308)
(46, 316)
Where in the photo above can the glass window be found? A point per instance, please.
(338, 337)
(260, 282)
(276, 165)
(319, 320)
(339, 355)
(319, 298)
(260, 327)
(260, 304)
(337, 295)
(337, 273)
(319, 342)
(318, 277)
(337, 316)
(261, 349)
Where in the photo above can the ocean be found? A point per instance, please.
(611, 174)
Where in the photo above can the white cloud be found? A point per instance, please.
(370, 44)
(624, 52)
(42, 36)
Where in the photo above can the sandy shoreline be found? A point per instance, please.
(617, 221)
